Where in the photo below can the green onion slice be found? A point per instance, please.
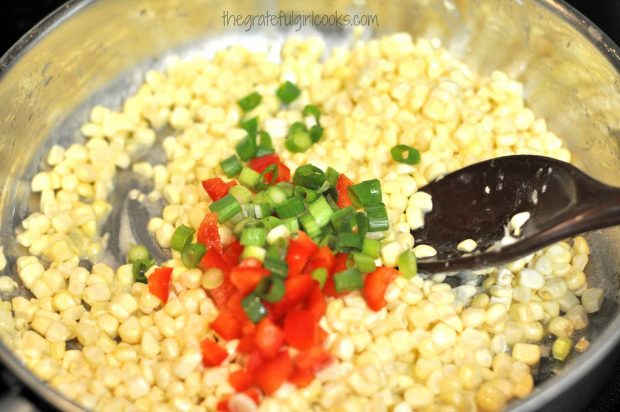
(305, 194)
(231, 166)
(181, 237)
(332, 176)
(253, 307)
(341, 219)
(309, 176)
(241, 193)
(191, 255)
(316, 132)
(310, 225)
(320, 275)
(349, 241)
(312, 110)
(321, 211)
(405, 154)
(253, 236)
(138, 252)
(288, 92)
(139, 268)
(365, 193)
(377, 217)
(226, 208)
(275, 196)
(250, 101)
(249, 177)
(292, 207)
(407, 264)
(298, 142)
(371, 247)
(250, 126)
(268, 177)
(246, 148)
(270, 289)
(348, 280)
(362, 262)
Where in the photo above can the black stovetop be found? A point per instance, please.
(17, 16)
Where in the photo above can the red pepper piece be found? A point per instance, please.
(241, 380)
(246, 278)
(274, 372)
(340, 264)
(159, 283)
(254, 361)
(323, 258)
(300, 329)
(246, 343)
(296, 291)
(315, 303)
(342, 187)
(222, 294)
(300, 249)
(216, 188)
(232, 252)
(375, 285)
(212, 353)
(269, 338)
(208, 234)
(227, 325)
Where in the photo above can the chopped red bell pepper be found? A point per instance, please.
(342, 187)
(246, 343)
(274, 372)
(227, 325)
(222, 294)
(208, 234)
(241, 380)
(313, 359)
(246, 278)
(232, 252)
(300, 329)
(212, 353)
(269, 338)
(315, 303)
(296, 291)
(323, 258)
(216, 188)
(214, 259)
(250, 263)
(261, 163)
(159, 283)
(254, 361)
(375, 285)
(301, 378)
(300, 249)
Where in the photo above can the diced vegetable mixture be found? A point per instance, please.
(290, 190)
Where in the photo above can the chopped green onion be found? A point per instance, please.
(328, 240)
(270, 222)
(288, 92)
(262, 210)
(348, 280)
(320, 210)
(405, 154)
(255, 252)
(305, 194)
(310, 225)
(254, 308)
(365, 193)
(139, 268)
(138, 252)
(287, 187)
(270, 289)
(341, 219)
(250, 126)
(246, 148)
(364, 263)
(316, 132)
(265, 145)
(268, 177)
(275, 196)
(277, 267)
(237, 218)
(292, 224)
(248, 221)
(320, 275)
(371, 247)
(377, 217)
(250, 101)
(241, 193)
(181, 237)
(292, 207)
(312, 110)
(407, 264)
(298, 142)
(309, 176)
(297, 127)
(191, 255)
(349, 241)
(253, 236)
(231, 166)
(249, 177)
(361, 221)
(226, 208)
(332, 176)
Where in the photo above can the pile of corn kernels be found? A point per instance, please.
(433, 347)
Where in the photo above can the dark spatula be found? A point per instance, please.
(478, 201)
